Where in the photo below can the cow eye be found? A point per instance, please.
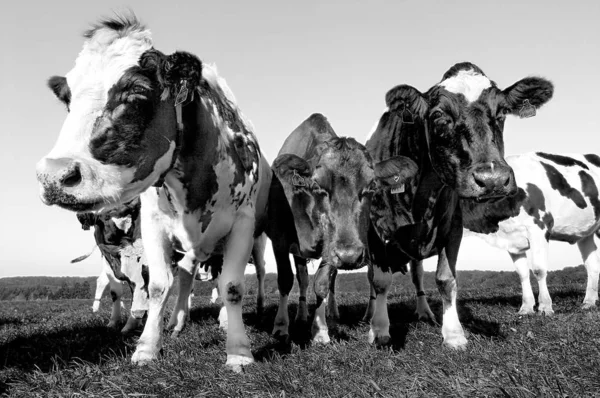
(501, 113)
(436, 115)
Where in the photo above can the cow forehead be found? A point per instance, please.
(469, 83)
(105, 57)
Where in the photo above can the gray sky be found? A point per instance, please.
(283, 62)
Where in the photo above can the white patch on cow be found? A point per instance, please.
(374, 128)
(468, 83)
(123, 223)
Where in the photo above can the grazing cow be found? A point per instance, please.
(118, 236)
(318, 207)
(454, 134)
(557, 200)
(165, 127)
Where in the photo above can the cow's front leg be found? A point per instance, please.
(332, 307)
(371, 304)
(589, 253)
(445, 278)
(423, 311)
(231, 287)
(320, 332)
(302, 277)
(528, 300)
(538, 262)
(381, 281)
(187, 271)
(285, 282)
(116, 291)
(159, 255)
(258, 253)
(101, 284)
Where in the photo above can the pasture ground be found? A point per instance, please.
(60, 349)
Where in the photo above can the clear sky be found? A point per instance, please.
(283, 61)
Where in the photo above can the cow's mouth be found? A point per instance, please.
(52, 195)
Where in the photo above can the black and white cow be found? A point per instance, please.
(557, 200)
(118, 236)
(165, 127)
(454, 132)
(319, 208)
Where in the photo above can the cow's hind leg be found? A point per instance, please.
(231, 287)
(381, 281)
(285, 282)
(258, 253)
(116, 291)
(187, 270)
(302, 277)
(101, 284)
(320, 332)
(371, 304)
(332, 307)
(589, 253)
(528, 300)
(423, 311)
(538, 262)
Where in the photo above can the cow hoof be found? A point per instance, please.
(526, 311)
(175, 333)
(281, 336)
(588, 306)
(237, 362)
(300, 320)
(142, 358)
(382, 341)
(112, 325)
(547, 311)
(321, 337)
(138, 314)
(458, 342)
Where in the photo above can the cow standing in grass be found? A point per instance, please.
(319, 207)
(453, 132)
(165, 127)
(557, 200)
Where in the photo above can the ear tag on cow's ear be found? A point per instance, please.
(527, 110)
(298, 180)
(397, 189)
(405, 114)
(182, 94)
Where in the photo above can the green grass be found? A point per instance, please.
(61, 349)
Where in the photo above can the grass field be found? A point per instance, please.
(59, 348)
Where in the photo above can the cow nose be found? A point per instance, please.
(493, 178)
(349, 254)
(64, 171)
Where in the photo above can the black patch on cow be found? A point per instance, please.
(113, 296)
(146, 278)
(562, 160)
(454, 70)
(593, 159)
(589, 188)
(60, 88)
(235, 292)
(534, 203)
(205, 219)
(559, 183)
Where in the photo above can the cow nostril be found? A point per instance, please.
(478, 181)
(507, 182)
(72, 178)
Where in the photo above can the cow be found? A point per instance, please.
(454, 133)
(318, 208)
(118, 236)
(557, 200)
(168, 129)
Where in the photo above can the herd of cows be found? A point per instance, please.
(154, 146)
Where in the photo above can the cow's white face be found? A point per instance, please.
(119, 136)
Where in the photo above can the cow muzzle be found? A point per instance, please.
(349, 256)
(61, 180)
(491, 181)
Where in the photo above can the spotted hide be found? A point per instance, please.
(557, 200)
(118, 236)
(454, 133)
(319, 207)
(165, 128)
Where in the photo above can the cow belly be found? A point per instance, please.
(572, 226)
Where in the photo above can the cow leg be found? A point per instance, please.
(101, 284)
(528, 301)
(320, 332)
(214, 295)
(589, 253)
(370, 305)
(231, 287)
(380, 281)
(423, 311)
(332, 307)
(302, 277)
(258, 253)
(116, 291)
(187, 270)
(285, 282)
(159, 255)
(445, 278)
(538, 262)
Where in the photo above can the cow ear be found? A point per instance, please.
(394, 172)
(182, 72)
(293, 170)
(528, 94)
(406, 101)
(86, 220)
(60, 88)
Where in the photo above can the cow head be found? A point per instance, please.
(463, 119)
(331, 195)
(118, 235)
(120, 132)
